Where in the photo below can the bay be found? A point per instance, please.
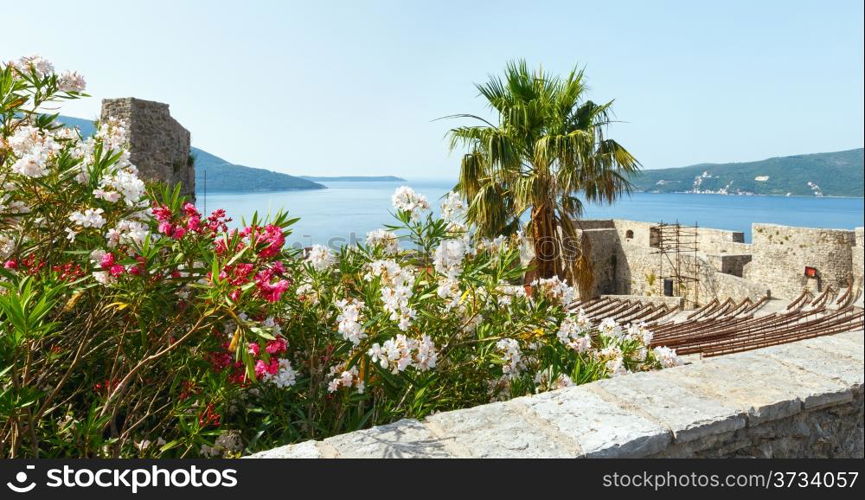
(346, 211)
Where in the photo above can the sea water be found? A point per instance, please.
(346, 211)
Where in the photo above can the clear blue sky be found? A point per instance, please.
(352, 87)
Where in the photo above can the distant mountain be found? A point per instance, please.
(225, 176)
(821, 174)
(221, 174)
(355, 178)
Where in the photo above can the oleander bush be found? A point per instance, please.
(133, 325)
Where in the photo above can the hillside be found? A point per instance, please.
(821, 174)
(354, 178)
(225, 176)
(221, 174)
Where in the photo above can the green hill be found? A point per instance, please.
(221, 174)
(225, 176)
(821, 174)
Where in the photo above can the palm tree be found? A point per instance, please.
(548, 148)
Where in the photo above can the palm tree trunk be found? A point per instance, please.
(545, 239)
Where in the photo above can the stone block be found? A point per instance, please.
(762, 386)
(499, 430)
(402, 439)
(306, 449)
(600, 428)
(819, 361)
(687, 414)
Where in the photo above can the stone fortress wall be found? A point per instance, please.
(159, 146)
(627, 261)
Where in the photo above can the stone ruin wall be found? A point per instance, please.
(159, 146)
(859, 256)
(781, 253)
(773, 264)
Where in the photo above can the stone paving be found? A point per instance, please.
(803, 399)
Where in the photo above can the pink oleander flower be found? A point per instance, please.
(270, 368)
(253, 349)
(162, 213)
(10, 264)
(165, 227)
(276, 346)
(272, 292)
(194, 223)
(270, 236)
(116, 270)
(190, 210)
(260, 368)
(106, 261)
(217, 221)
(278, 268)
(178, 232)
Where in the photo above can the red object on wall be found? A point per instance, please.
(810, 272)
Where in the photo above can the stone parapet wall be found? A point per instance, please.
(709, 240)
(803, 399)
(158, 145)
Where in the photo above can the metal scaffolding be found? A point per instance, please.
(676, 246)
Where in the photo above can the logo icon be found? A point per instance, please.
(20, 478)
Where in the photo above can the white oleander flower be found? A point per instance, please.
(426, 355)
(574, 336)
(308, 292)
(285, 377)
(399, 353)
(405, 199)
(613, 359)
(7, 246)
(667, 357)
(396, 290)
(347, 378)
(556, 289)
(31, 165)
(113, 133)
(494, 245)
(103, 277)
(91, 217)
(448, 257)
(272, 325)
(453, 208)
(29, 140)
(610, 329)
(349, 320)
(508, 292)
(449, 290)
(545, 381)
(320, 258)
(127, 232)
(41, 66)
(639, 332)
(512, 356)
(71, 81)
(383, 238)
